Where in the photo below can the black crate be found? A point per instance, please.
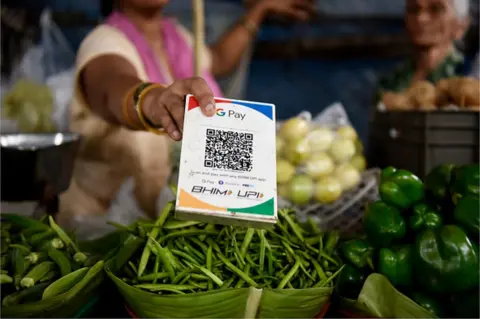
(418, 141)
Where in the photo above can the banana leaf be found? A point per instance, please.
(380, 299)
(293, 303)
(64, 305)
(228, 303)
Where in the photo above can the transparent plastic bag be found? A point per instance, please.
(50, 64)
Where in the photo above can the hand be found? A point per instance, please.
(297, 9)
(166, 107)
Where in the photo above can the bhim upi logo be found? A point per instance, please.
(220, 112)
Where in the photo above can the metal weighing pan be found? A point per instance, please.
(35, 166)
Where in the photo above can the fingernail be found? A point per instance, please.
(176, 135)
(210, 108)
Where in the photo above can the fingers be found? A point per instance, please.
(168, 108)
(204, 95)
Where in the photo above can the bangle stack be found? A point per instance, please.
(138, 93)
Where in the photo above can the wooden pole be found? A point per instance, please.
(199, 32)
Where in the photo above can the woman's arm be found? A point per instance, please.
(228, 51)
(108, 79)
(105, 81)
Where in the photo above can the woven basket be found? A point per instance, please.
(346, 213)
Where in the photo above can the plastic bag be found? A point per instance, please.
(49, 63)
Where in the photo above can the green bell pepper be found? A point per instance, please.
(437, 183)
(350, 282)
(383, 224)
(429, 303)
(400, 188)
(357, 252)
(467, 214)
(396, 265)
(445, 260)
(424, 217)
(465, 181)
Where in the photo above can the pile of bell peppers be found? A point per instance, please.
(424, 237)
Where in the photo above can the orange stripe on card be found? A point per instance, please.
(185, 200)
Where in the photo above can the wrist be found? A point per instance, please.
(149, 104)
(258, 12)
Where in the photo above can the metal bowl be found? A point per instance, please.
(33, 164)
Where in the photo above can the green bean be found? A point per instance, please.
(164, 287)
(330, 259)
(167, 260)
(187, 232)
(261, 234)
(319, 270)
(180, 276)
(289, 275)
(200, 277)
(199, 244)
(209, 227)
(198, 284)
(134, 268)
(190, 249)
(185, 279)
(246, 242)
(227, 283)
(295, 228)
(236, 270)
(153, 234)
(270, 262)
(186, 256)
(241, 281)
(155, 268)
(324, 282)
(212, 276)
(153, 276)
(177, 224)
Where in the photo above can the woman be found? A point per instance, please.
(433, 27)
(117, 111)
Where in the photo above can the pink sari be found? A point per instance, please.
(178, 51)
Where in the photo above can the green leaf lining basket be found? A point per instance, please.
(228, 303)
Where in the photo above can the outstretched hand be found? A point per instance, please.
(166, 107)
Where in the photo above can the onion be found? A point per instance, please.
(300, 190)
(347, 132)
(359, 162)
(319, 165)
(294, 129)
(348, 176)
(285, 171)
(297, 152)
(279, 143)
(327, 190)
(342, 150)
(320, 139)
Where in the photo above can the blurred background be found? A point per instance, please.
(335, 57)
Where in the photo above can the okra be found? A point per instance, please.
(33, 293)
(5, 279)
(50, 276)
(65, 283)
(37, 273)
(61, 260)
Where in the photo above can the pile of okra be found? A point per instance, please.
(178, 257)
(38, 260)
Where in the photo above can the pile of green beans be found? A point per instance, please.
(181, 257)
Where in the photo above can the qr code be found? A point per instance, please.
(229, 150)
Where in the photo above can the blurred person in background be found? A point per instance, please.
(433, 27)
(115, 102)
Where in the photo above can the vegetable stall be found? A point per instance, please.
(417, 257)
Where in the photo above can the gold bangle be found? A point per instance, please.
(125, 113)
(141, 116)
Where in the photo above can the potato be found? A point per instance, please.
(443, 97)
(396, 101)
(423, 95)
